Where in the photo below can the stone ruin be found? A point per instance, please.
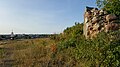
(96, 21)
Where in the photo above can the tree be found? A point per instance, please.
(112, 6)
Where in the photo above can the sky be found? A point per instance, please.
(41, 16)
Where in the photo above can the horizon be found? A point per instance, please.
(41, 16)
(26, 33)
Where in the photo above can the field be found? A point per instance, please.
(64, 50)
(32, 53)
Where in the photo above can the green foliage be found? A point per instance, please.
(103, 51)
(112, 6)
(70, 36)
(74, 31)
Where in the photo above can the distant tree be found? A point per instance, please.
(112, 6)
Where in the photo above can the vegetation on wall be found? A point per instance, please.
(112, 6)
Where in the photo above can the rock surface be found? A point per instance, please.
(96, 21)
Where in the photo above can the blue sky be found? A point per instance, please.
(41, 16)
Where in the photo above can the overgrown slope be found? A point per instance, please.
(102, 51)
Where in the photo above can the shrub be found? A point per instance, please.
(102, 51)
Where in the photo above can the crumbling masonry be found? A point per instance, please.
(96, 21)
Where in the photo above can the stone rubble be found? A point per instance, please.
(96, 21)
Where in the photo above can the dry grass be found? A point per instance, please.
(38, 53)
(31, 53)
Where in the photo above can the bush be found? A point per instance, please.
(102, 51)
(112, 6)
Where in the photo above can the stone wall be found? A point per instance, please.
(96, 21)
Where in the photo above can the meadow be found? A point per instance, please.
(32, 53)
(68, 49)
